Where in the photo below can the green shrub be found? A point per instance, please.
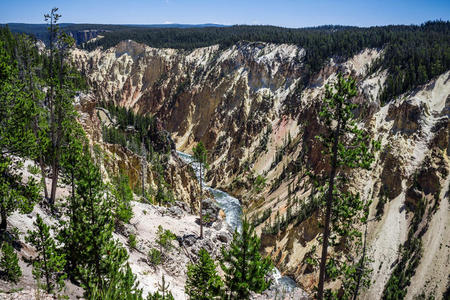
(165, 238)
(132, 242)
(154, 256)
(260, 183)
(33, 169)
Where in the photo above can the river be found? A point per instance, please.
(233, 214)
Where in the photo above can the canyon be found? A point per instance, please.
(248, 105)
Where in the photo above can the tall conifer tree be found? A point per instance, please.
(203, 282)
(201, 157)
(17, 140)
(93, 254)
(49, 263)
(63, 81)
(345, 146)
(245, 269)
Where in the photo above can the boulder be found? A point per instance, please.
(211, 209)
(189, 240)
(175, 212)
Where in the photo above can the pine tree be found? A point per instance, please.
(165, 238)
(163, 292)
(245, 269)
(123, 195)
(16, 140)
(121, 285)
(49, 263)
(29, 63)
(72, 154)
(92, 253)
(202, 282)
(346, 146)
(201, 157)
(9, 263)
(62, 81)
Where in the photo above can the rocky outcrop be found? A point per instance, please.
(406, 117)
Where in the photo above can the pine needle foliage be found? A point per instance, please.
(49, 263)
(122, 195)
(9, 263)
(121, 285)
(346, 146)
(203, 282)
(16, 139)
(245, 269)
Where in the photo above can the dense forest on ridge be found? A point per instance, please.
(413, 54)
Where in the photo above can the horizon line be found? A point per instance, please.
(230, 25)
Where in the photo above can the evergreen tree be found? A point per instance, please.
(49, 264)
(165, 238)
(9, 263)
(245, 269)
(202, 281)
(93, 255)
(123, 195)
(163, 194)
(17, 141)
(121, 285)
(163, 292)
(201, 158)
(346, 146)
(29, 63)
(72, 155)
(62, 81)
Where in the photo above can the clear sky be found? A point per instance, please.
(288, 13)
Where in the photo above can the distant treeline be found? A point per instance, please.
(40, 31)
(413, 54)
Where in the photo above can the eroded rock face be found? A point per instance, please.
(247, 105)
(406, 117)
(115, 158)
(391, 177)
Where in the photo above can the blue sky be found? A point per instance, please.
(288, 13)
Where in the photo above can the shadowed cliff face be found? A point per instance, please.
(83, 36)
(247, 104)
